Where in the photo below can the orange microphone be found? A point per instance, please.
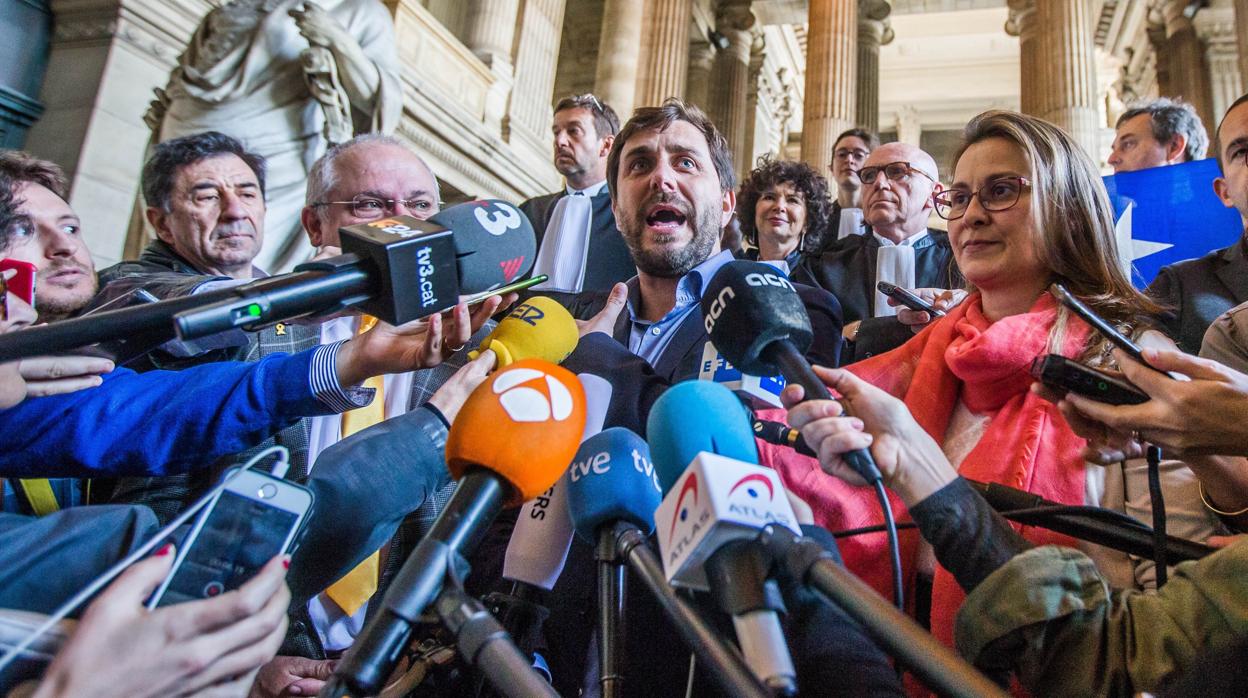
(498, 429)
(513, 438)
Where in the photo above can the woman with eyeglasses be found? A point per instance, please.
(1026, 209)
(783, 209)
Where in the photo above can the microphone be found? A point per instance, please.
(398, 269)
(613, 491)
(1105, 527)
(490, 451)
(756, 319)
(540, 541)
(712, 513)
(762, 391)
(537, 328)
(782, 434)
(718, 428)
(612, 479)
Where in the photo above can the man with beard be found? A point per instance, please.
(673, 190)
(579, 246)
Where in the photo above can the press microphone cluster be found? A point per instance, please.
(398, 269)
(487, 451)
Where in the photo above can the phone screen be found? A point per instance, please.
(238, 538)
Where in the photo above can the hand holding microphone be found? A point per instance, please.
(538, 328)
(756, 319)
(910, 461)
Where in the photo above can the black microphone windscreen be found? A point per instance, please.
(494, 243)
(749, 305)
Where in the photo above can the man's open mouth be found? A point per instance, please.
(665, 216)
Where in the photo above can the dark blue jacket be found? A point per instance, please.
(156, 423)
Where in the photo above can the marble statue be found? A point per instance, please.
(288, 78)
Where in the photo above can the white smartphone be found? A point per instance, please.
(256, 517)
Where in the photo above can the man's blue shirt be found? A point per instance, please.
(650, 339)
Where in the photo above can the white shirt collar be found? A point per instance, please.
(590, 191)
(908, 242)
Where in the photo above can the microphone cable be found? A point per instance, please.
(780, 434)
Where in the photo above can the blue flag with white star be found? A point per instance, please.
(1167, 214)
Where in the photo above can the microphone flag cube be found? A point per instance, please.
(716, 500)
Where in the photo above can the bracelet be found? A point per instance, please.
(1200, 487)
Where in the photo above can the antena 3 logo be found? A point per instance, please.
(390, 225)
(529, 395)
(717, 306)
(757, 279)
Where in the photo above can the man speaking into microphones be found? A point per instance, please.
(671, 179)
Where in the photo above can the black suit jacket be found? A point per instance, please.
(1199, 290)
(847, 270)
(608, 261)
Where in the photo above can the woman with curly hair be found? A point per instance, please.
(783, 209)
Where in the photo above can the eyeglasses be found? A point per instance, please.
(894, 171)
(589, 97)
(370, 207)
(997, 195)
(847, 153)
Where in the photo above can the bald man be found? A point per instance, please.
(898, 181)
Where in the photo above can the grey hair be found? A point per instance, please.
(1169, 118)
(323, 176)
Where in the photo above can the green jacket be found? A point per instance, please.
(1051, 618)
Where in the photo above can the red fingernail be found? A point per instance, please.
(286, 563)
(164, 550)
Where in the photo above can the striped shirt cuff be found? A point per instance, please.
(325, 385)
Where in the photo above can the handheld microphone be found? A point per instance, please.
(756, 319)
(612, 479)
(715, 419)
(762, 391)
(712, 514)
(540, 541)
(537, 328)
(398, 269)
(489, 451)
(1104, 527)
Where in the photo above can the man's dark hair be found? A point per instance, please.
(9, 203)
(1169, 118)
(872, 140)
(1217, 135)
(658, 119)
(606, 122)
(168, 157)
(23, 168)
(803, 178)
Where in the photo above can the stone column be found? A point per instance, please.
(490, 29)
(1241, 37)
(909, 127)
(615, 81)
(490, 33)
(1218, 33)
(1058, 65)
(698, 82)
(664, 50)
(873, 31)
(831, 66)
(758, 54)
(1185, 56)
(728, 98)
(536, 61)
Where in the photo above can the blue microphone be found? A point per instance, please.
(692, 417)
(612, 479)
(717, 500)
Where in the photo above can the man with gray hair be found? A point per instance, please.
(1155, 133)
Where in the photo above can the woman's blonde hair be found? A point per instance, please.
(1072, 213)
